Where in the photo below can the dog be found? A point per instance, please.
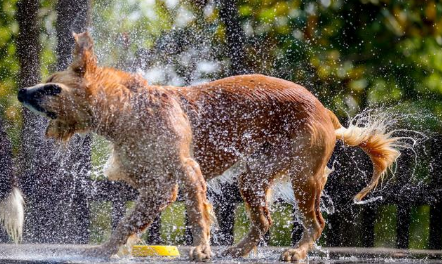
(167, 137)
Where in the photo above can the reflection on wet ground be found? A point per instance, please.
(54, 254)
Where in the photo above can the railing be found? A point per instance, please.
(403, 190)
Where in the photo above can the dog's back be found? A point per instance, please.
(234, 116)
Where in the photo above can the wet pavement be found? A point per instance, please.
(54, 254)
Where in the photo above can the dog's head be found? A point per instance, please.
(65, 97)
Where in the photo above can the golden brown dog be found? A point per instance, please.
(165, 137)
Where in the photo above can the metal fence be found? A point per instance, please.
(417, 181)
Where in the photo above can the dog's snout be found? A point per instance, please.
(35, 94)
(22, 95)
(33, 97)
(30, 95)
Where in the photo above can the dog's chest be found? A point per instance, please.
(138, 162)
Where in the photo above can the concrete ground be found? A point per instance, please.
(54, 254)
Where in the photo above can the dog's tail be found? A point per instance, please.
(12, 214)
(370, 134)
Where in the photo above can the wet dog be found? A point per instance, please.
(168, 137)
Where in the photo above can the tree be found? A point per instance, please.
(37, 153)
(53, 176)
(235, 37)
(73, 16)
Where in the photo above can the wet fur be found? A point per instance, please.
(168, 136)
(12, 214)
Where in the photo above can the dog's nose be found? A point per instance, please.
(31, 96)
(22, 93)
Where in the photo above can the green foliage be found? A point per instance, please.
(10, 108)
(385, 227)
(281, 230)
(419, 227)
(9, 69)
(173, 224)
(242, 224)
(101, 222)
(352, 54)
(48, 41)
(122, 28)
(101, 150)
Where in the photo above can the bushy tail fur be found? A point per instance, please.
(371, 135)
(12, 214)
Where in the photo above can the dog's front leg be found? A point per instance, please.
(149, 204)
(198, 209)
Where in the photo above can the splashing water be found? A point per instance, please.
(202, 64)
(370, 200)
(386, 121)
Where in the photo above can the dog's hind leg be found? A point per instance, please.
(254, 184)
(308, 184)
(254, 192)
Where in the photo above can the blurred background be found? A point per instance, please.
(352, 54)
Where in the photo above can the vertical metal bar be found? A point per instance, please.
(403, 226)
(435, 240)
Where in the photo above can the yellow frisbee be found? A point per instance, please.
(153, 251)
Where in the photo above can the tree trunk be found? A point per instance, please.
(228, 13)
(37, 153)
(52, 178)
(224, 206)
(73, 16)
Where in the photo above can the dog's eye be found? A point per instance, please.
(50, 79)
(51, 89)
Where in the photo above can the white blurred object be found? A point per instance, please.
(12, 214)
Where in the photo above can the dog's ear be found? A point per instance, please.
(84, 58)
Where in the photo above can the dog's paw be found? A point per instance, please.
(293, 255)
(200, 253)
(233, 252)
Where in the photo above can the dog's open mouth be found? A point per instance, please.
(40, 110)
